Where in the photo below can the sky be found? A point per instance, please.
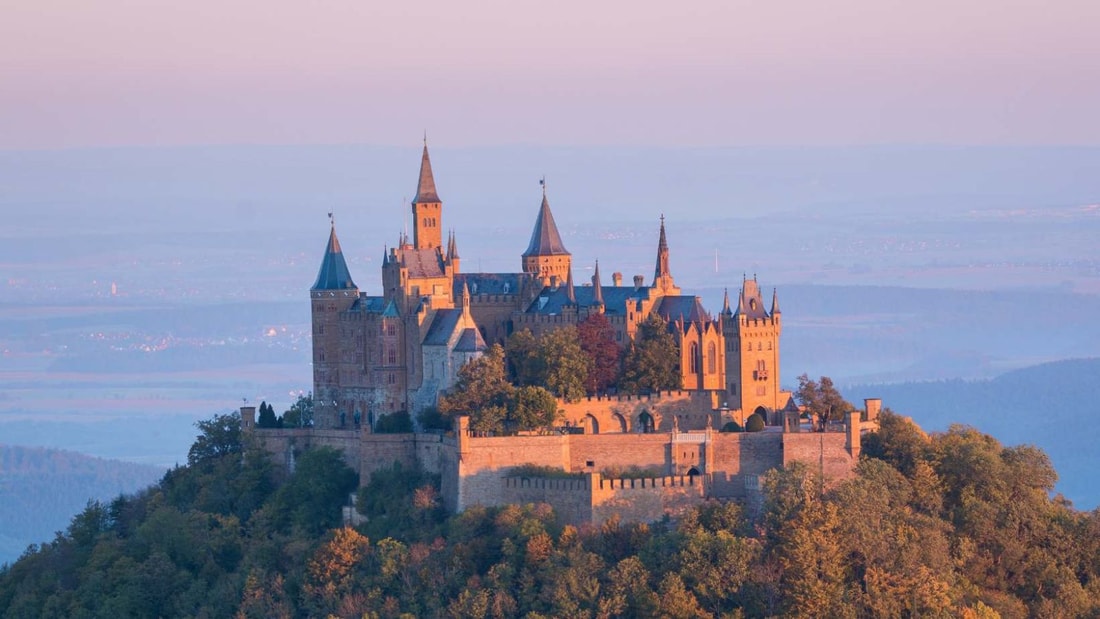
(75, 73)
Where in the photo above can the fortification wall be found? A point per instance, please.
(619, 414)
(286, 444)
(825, 452)
(647, 499)
(570, 498)
(484, 461)
(739, 457)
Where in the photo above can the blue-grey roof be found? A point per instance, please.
(334, 274)
(369, 305)
(443, 326)
(545, 240)
(421, 262)
(488, 283)
(682, 307)
(615, 299)
(470, 341)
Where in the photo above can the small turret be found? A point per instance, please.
(334, 274)
(546, 255)
(775, 302)
(662, 275)
(570, 292)
(597, 289)
(726, 311)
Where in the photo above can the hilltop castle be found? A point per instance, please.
(398, 350)
(376, 355)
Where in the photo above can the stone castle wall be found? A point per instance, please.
(685, 467)
(619, 414)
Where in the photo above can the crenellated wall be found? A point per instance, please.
(684, 467)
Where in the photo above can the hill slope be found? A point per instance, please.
(41, 489)
(1055, 406)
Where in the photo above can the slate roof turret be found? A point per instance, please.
(545, 239)
(333, 274)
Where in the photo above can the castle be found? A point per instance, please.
(376, 355)
(397, 351)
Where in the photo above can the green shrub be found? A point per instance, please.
(755, 423)
(731, 426)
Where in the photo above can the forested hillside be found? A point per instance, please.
(1055, 406)
(41, 489)
(945, 525)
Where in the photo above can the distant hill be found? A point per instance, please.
(42, 489)
(1055, 406)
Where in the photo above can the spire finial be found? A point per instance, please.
(331, 219)
(425, 138)
(542, 183)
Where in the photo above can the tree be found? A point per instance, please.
(523, 361)
(565, 366)
(312, 498)
(219, 436)
(755, 423)
(597, 339)
(821, 400)
(482, 391)
(267, 417)
(534, 407)
(653, 362)
(300, 414)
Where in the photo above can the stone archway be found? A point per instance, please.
(618, 419)
(591, 424)
(645, 422)
(692, 472)
(763, 412)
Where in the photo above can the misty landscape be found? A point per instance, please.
(144, 289)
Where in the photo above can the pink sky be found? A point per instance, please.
(149, 72)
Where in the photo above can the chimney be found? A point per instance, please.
(617, 279)
(639, 281)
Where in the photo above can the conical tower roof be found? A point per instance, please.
(570, 292)
(425, 188)
(597, 288)
(775, 302)
(545, 239)
(334, 274)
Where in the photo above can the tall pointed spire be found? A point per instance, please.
(775, 302)
(662, 276)
(427, 209)
(726, 302)
(465, 297)
(334, 274)
(741, 303)
(425, 188)
(597, 289)
(570, 292)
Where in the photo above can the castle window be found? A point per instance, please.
(392, 329)
(733, 388)
(321, 356)
(694, 362)
(759, 346)
(391, 355)
(712, 359)
(769, 345)
(320, 329)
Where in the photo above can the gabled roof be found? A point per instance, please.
(545, 239)
(334, 274)
(425, 188)
(421, 263)
(751, 304)
(443, 327)
(470, 341)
